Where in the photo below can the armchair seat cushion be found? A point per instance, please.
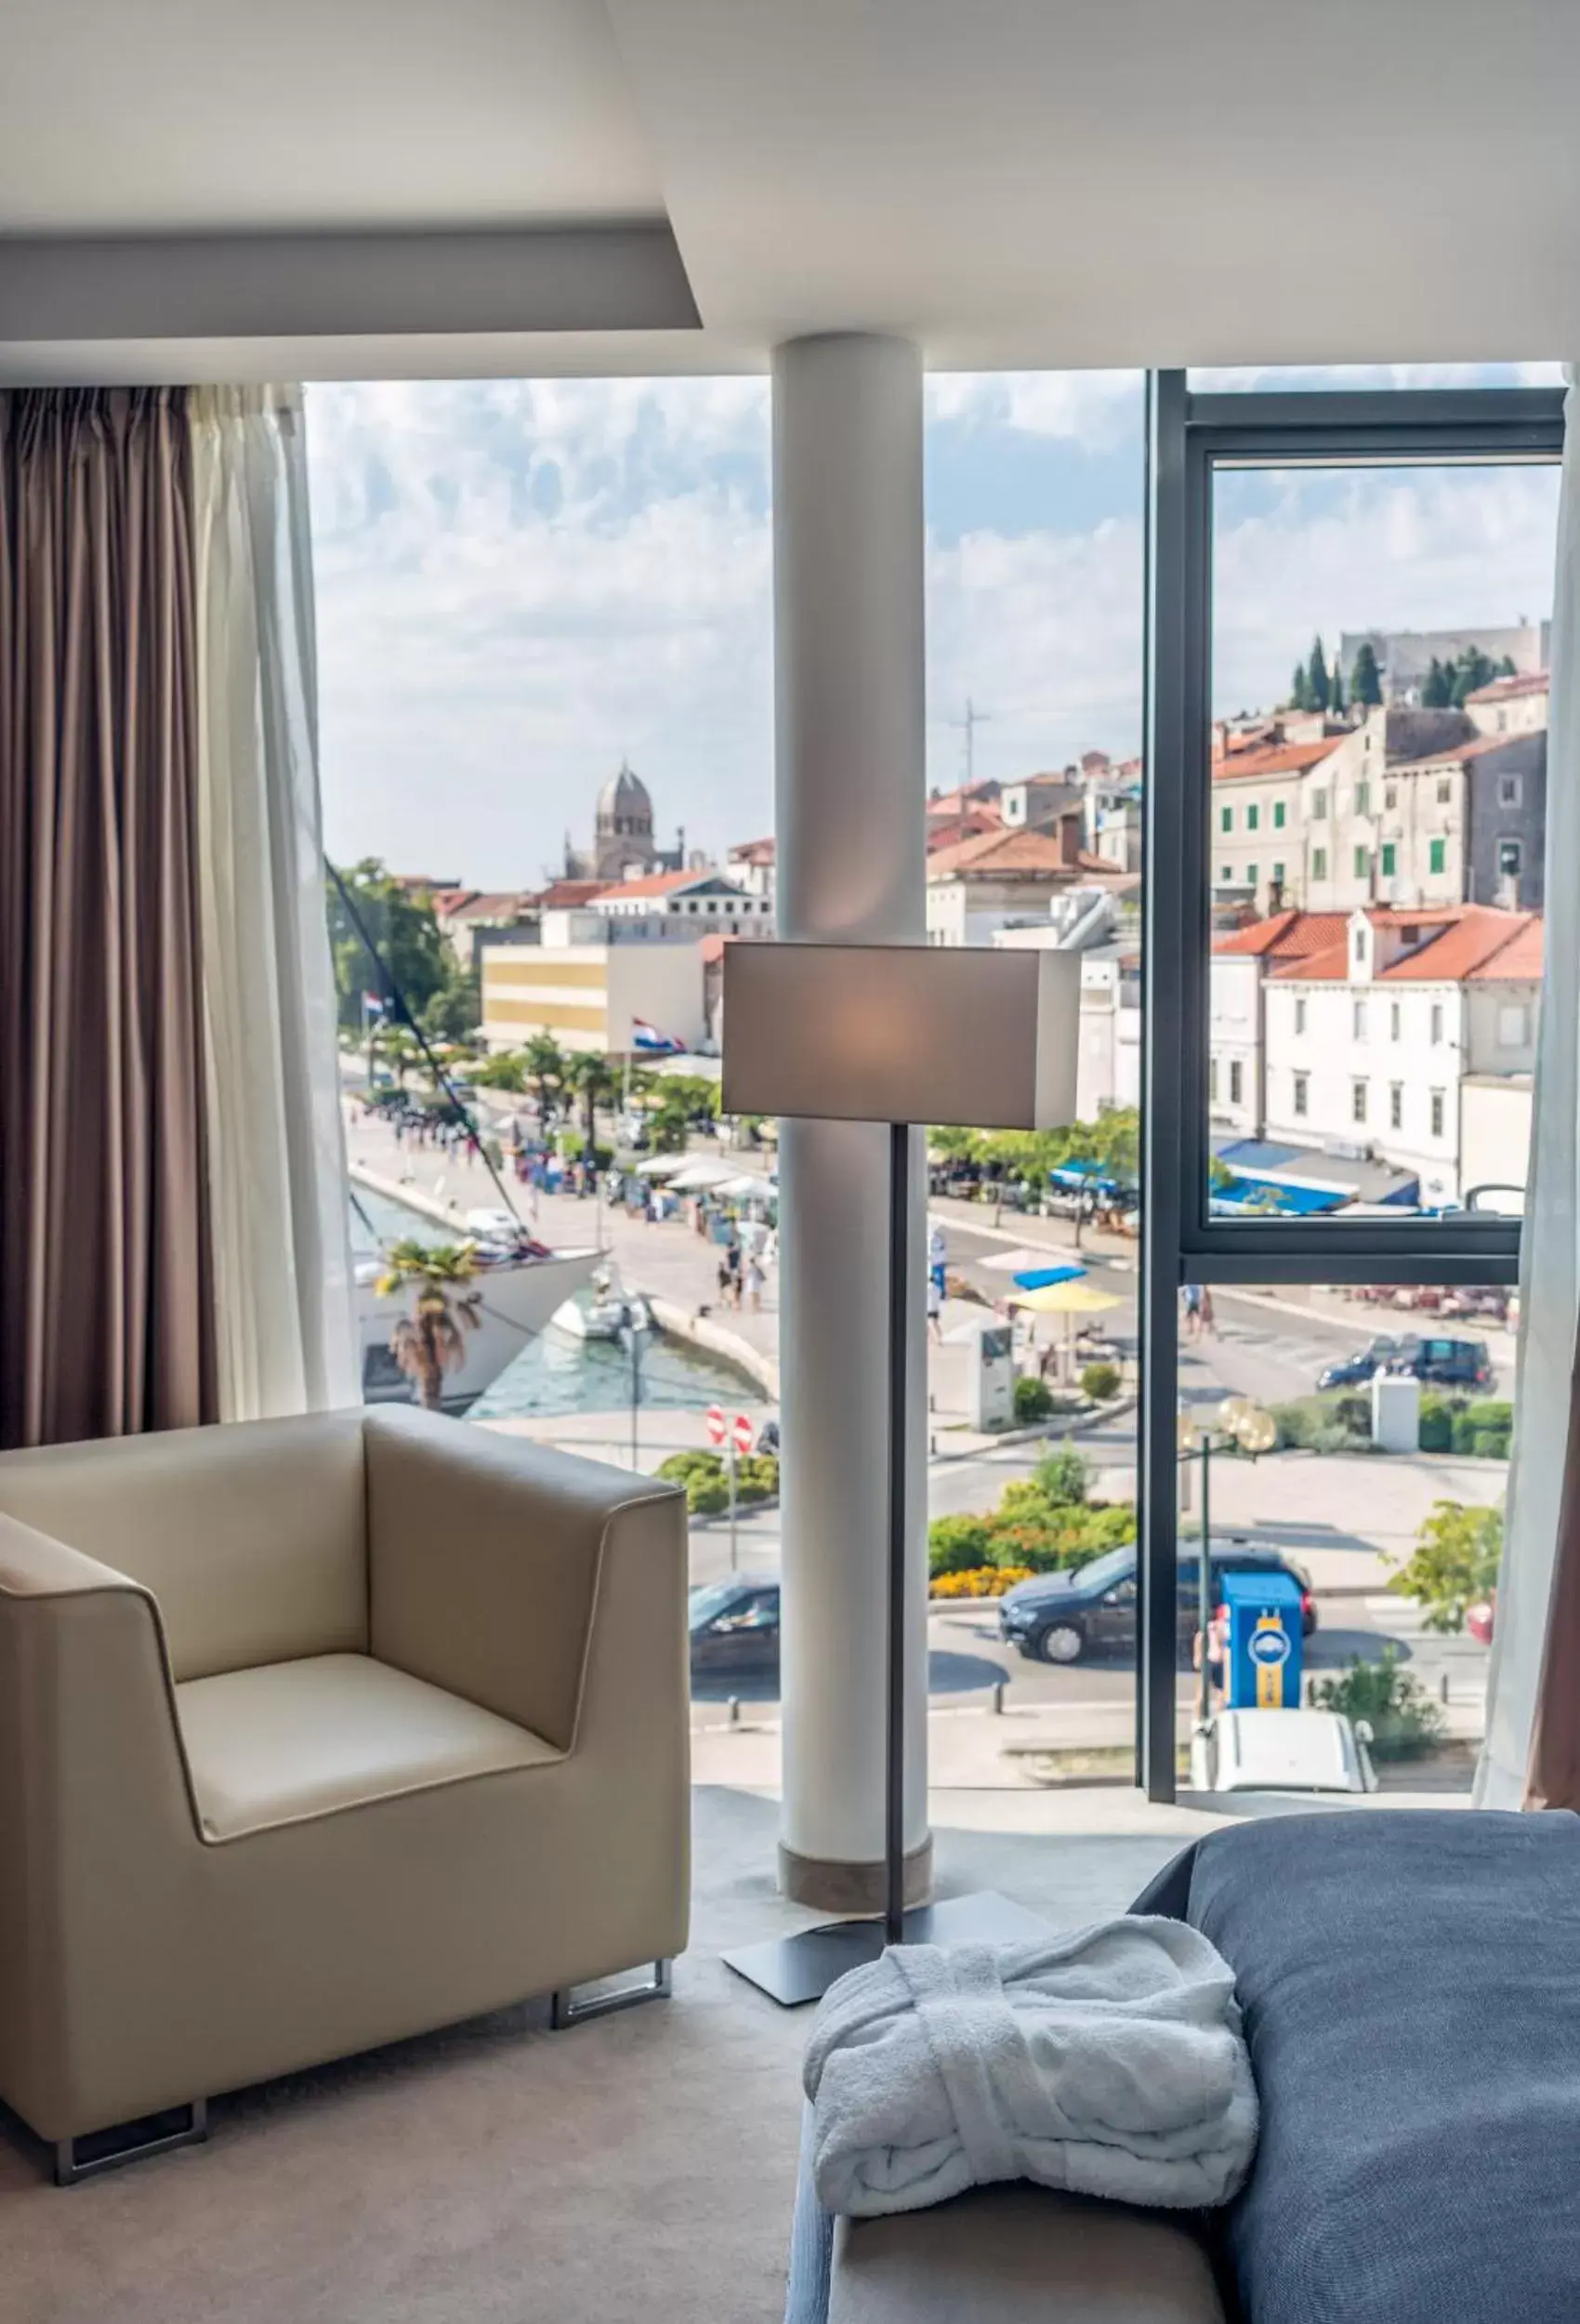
(290, 1740)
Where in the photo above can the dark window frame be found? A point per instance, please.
(1189, 438)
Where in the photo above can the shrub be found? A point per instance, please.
(1484, 1428)
(1062, 1476)
(1404, 1720)
(1100, 1382)
(706, 1497)
(1437, 1424)
(1034, 1399)
(675, 1467)
(979, 1581)
(956, 1545)
(1455, 1565)
(756, 1477)
(1325, 1423)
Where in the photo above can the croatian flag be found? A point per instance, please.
(651, 1042)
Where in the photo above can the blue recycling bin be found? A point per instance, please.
(1265, 1640)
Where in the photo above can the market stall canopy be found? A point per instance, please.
(1043, 1278)
(660, 1166)
(1065, 1299)
(748, 1187)
(703, 1176)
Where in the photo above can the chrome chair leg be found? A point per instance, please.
(565, 2009)
(84, 2158)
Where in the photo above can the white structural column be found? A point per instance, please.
(850, 794)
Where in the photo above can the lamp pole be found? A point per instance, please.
(1239, 1425)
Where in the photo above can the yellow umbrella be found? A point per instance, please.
(1071, 1299)
(1074, 1298)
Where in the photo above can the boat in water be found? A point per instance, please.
(606, 1312)
(520, 1283)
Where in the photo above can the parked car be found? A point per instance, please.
(735, 1625)
(1353, 1371)
(1441, 1362)
(1059, 1618)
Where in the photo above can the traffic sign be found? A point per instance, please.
(714, 1415)
(740, 1435)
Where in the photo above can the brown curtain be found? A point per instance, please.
(106, 1325)
(1553, 1779)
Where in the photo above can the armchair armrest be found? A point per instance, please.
(489, 1559)
(95, 1810)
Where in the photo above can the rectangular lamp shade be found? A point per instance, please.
(901, 1033)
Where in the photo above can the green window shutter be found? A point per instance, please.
(1438, 858)
(1226, 819)
(1363, 863)
(1253, 818)
(1318, 863)
(1387, 864)
(1278, 815)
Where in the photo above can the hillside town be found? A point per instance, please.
(1375, 867)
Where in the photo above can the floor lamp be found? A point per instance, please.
(897, 1034)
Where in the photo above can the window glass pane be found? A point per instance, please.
(1380, 642)
(1035, 613)
(1382, 1500)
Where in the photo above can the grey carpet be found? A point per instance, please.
(639, 2169)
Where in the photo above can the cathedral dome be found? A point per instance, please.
(623, 804)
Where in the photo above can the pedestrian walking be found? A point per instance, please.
(1191, 1296)
(755, 1279)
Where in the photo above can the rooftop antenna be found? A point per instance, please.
(969, 723)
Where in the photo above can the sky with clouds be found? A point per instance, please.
(521, 582)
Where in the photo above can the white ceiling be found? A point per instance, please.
(1013, 181)
(207, 116)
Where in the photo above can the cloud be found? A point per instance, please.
(1298, 552)
(520, 582)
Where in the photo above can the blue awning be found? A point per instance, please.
(1273, 1196)
(1038, 1278)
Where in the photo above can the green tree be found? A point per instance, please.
(1437, 687)
(1455, 1565)
(1317, 689)
(455, 1011)
(1365, 678)
(1300, 690)
(546, 1066)
(409, 952)
(1336, 702)
(505, 1070)
(669, 1123)
(591, 1077)
(431, 1341)
(1471, 672)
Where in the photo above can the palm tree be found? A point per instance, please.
(589, 1073)
(431, 1339)
(544, 1062)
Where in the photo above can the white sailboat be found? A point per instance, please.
(520, 1290)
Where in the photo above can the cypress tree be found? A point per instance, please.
(1316, 677)
(1365, 678)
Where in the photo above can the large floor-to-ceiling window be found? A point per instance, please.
(1351, 586)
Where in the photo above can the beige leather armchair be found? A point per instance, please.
(314, 1734)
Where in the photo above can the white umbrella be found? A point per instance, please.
(660, 1165)
(701, 1175)
(747, 1188)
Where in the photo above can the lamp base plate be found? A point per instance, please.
(793, 1970)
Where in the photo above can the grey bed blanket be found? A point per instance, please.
(1107, 2061)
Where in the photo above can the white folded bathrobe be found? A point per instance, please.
(1109, 2061)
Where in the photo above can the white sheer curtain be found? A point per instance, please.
(1550, 1267)
(277, 1165)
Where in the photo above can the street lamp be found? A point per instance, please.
(1239, 1425)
